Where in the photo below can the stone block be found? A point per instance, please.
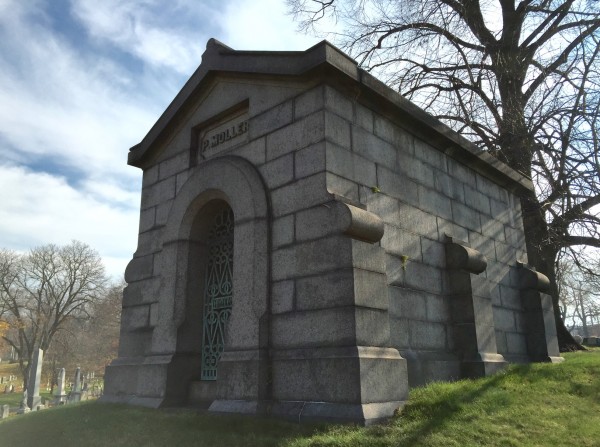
(141, 292)
(333, 289)
(493, 229)
(140, 267)
(399, 332)
(422, 173)
(135, 318)
(398, 137)
(349, 165)
(510, 297)
(438, 308)
(302, 194)
(401, 242)
(150, 176)
(502, 348)
(427, 335)
(384, 206)
(158, 193)
(430, 155)
(309, 102)
(372, 148)
(346, 375)
(147, 219)
(466, 217)
(255, 151)
(514, 237)
(449, 186)
(272, 119)
(393, 185)
(368, 256)
(364, 117)
(424, 277)
(313, 257)
(342, 187)
(162, 212)
(483, 244)
(279, 171)
(476, 200)
(433, 253)
(180, 179)
(302, 133)
(460, 172)
(345, 287)
(495, 294)
(317, 328)
(416, 221)
(395, 270)
(491, 189)
(436, 203)
(339, 103)
(283, 231)
(370, 289)
(4, 411)
(516, 343)
(448, 228)
(505, 254)
(311, 160)
(149, 242)
(283, 297)
(500, 212)
(174, 165)
(372, 327)
(504, 320)
(408, 303)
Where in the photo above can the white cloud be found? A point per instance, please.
(261, 25)
(72, 107)
(141, 28)
(38, 209)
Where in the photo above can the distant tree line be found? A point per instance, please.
(58, 299)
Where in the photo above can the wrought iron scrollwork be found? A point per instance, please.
(218, 292)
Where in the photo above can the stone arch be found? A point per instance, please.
(235, 182)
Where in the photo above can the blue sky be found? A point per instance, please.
(81, 81)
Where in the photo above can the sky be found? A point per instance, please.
(81, 81)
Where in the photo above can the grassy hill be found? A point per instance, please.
(527, 405)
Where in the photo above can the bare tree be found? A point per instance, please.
(579, 289)
(519, 79)
(41, 290)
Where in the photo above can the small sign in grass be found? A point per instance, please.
(527, 405)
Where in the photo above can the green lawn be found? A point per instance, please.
(529, 405)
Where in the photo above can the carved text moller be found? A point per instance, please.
(225, 135)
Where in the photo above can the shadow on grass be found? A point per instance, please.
(436, 413)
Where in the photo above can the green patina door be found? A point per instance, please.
(218, 291)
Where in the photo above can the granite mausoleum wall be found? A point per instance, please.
(373, 248)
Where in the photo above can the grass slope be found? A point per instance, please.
(527, 405)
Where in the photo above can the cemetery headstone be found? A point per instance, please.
(35, 375)
(23, 408)
(60, 396)
(4, 411)
(75, 395)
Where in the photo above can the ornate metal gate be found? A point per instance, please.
(218, 291)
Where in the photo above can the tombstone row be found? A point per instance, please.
(5, 379)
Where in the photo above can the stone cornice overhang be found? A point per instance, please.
(328, 64)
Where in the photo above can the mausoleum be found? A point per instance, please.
(311, 245)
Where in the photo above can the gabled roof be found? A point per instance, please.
(326, 59)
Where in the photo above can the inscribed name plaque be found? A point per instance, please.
(225, 131)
